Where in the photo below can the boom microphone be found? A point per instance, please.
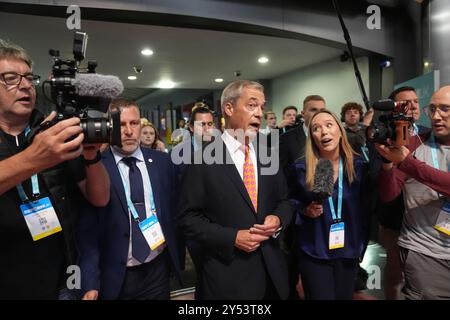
(323, 180)
(97, 85)
(96, 91)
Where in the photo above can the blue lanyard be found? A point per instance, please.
(364, 153)
(34, 182)
(415, 129)
(434, 153)
(130, 203)
(340, 189)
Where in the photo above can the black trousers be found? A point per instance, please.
(327, 279)
(148, 281)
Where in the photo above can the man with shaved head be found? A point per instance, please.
(421, 170)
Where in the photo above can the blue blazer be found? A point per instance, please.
(104, 233)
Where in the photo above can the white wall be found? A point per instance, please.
(333, 80)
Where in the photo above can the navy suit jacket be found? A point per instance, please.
(104, 232)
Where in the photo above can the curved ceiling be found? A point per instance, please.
(191, 58)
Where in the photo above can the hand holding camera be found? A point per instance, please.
(391, 152)
(58, 143)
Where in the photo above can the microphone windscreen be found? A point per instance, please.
(98, 85)
(323, 180)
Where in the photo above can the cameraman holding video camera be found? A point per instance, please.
(421, 171)
(38, 186)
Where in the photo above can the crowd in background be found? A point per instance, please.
(127, 214)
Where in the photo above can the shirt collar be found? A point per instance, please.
(118, 156)
(233, 144)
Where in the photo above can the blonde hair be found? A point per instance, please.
(146, 123)
(312, 153)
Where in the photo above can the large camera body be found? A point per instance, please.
(84, 94)
(393, 123)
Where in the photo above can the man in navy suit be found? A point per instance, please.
(130, 247)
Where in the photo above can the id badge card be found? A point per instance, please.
(151, 229)
(41, 218)
(337, 236)
(443, 221)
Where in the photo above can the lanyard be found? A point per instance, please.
(363, 149)
(434, 153)
(340, 189)
(415, 129)
(130, 203)
(34, 182)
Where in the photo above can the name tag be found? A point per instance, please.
(153, 234)
(337, 236)
(443, 221)
(41, 218)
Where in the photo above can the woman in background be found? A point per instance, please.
(150, 136)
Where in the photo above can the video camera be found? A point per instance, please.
(394, 125)
(84, 94)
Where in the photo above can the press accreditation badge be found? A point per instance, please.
(41, 218)
(443, 221)
(151, 229)
(337, 236)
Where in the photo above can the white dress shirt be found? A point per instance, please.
(237, 152)
(305, 129)
(124, 172)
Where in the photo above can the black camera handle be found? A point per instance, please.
(348, 40)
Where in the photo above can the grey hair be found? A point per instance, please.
(233, 91)
(9, 50)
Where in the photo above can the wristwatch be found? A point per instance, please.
(97, 158)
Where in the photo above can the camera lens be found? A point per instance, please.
(102, 130)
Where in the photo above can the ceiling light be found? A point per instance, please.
(166, 84)
(147, 52)
(426, 64)
(263, 60)
(218, 80)
(441, 16)
(132, 77)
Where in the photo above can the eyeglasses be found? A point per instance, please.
(444, 110)
(14, 79)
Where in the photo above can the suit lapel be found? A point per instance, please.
(116, 179)
(262, 184)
